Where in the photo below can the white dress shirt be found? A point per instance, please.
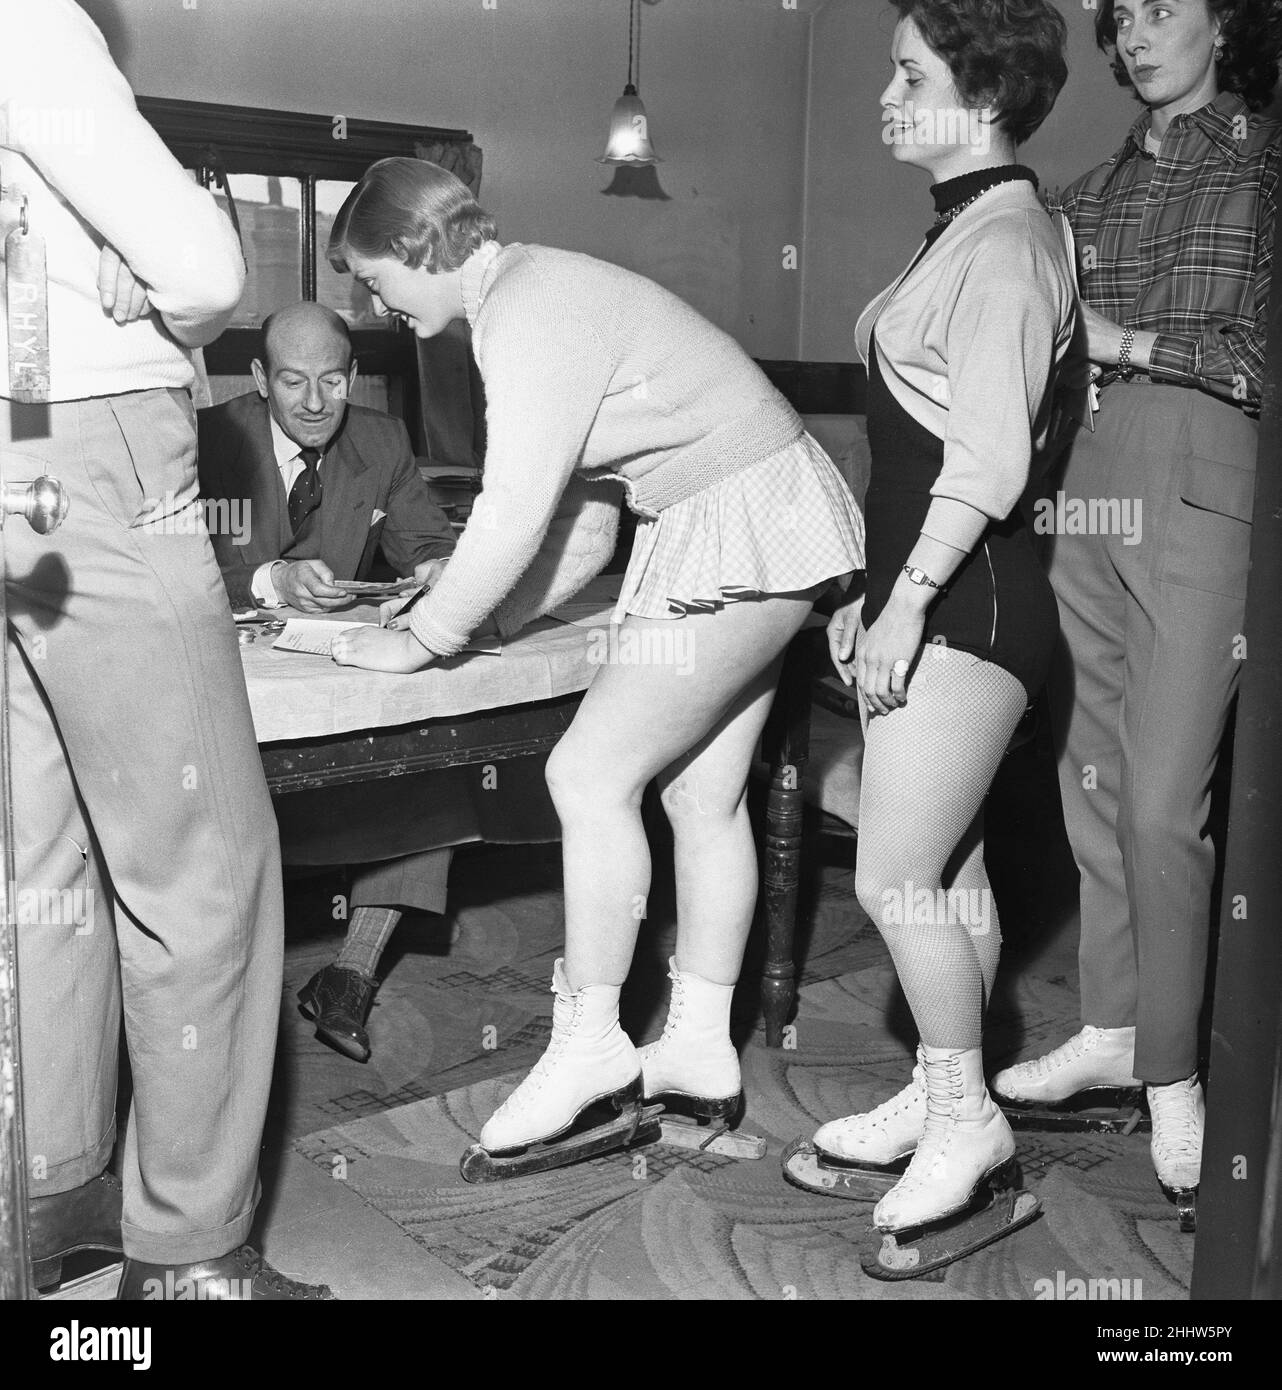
(290, 463)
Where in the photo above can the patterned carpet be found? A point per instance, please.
(464, 1011)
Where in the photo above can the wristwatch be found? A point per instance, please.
(921, 578)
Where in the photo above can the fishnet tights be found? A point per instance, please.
(920, 873)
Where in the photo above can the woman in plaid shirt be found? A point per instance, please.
(1149, 563)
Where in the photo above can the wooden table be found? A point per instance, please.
(450, 729)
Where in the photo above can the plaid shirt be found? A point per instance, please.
(1186, 253)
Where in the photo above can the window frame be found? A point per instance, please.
(209, 137)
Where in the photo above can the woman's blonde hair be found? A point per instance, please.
(413, 210)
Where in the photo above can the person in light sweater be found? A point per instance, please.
(598, 381)
(142, 823)
(953, 638)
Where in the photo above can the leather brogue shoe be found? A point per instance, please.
(338, 1000)
(242, 1275)
(84, 1218)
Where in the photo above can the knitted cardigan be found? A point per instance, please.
(969, 340)
(593, 375)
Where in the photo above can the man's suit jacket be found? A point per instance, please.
(368, 469)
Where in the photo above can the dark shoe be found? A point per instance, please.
(85, 1218)
(241, 1275)
(339, 1000)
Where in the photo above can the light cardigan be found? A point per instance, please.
(592, 374)
(92, 170)
(968, 342)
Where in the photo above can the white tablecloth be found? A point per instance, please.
(295, 696)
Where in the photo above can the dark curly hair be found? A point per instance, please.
(1007, 54)
(1252, 35)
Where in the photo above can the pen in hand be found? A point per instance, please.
(405, 608)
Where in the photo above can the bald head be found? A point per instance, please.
(305, 330)
(306, 372)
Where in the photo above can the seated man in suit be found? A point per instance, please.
(325, 482)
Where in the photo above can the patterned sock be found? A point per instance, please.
(367, 935)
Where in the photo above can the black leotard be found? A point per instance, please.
(999, 603)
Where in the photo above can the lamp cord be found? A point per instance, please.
(632, 19)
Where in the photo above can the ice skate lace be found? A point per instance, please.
(944, 1088)
(1175, 1123)
(1077, 1046)
(909, 1098)
(562, 1028)
(675, 1004)
(942, 1097)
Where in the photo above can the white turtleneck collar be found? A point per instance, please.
(472, 277)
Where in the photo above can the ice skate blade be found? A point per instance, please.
(920, 1250)
(726, 1108)
(1185, 1199)
(1097, 1110)
(582, 1138)
(686, 1132)
(808, 1168)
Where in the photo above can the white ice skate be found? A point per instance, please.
(860, 1156)
(1084, 1084)
(582, 1097)
(960, 1191)
(693, 1069)
(1179, 1118)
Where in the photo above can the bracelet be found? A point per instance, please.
(1124, 367)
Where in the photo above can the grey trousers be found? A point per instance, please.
(148, 869)
(1151, 609)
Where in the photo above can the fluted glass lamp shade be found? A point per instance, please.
(629, 141)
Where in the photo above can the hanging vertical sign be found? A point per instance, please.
(27, 302)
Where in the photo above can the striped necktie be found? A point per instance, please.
(305, 495)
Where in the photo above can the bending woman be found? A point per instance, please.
(959, 621)
(593, 377)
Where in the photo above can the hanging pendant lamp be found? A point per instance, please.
(629, 140)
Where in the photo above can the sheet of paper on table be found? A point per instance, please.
(311, 635)
(314, 635)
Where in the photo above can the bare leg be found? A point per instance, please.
(705, 796)
(636, 719)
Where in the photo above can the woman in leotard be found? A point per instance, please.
(959, 621)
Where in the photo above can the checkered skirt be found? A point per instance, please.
(779, 527)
